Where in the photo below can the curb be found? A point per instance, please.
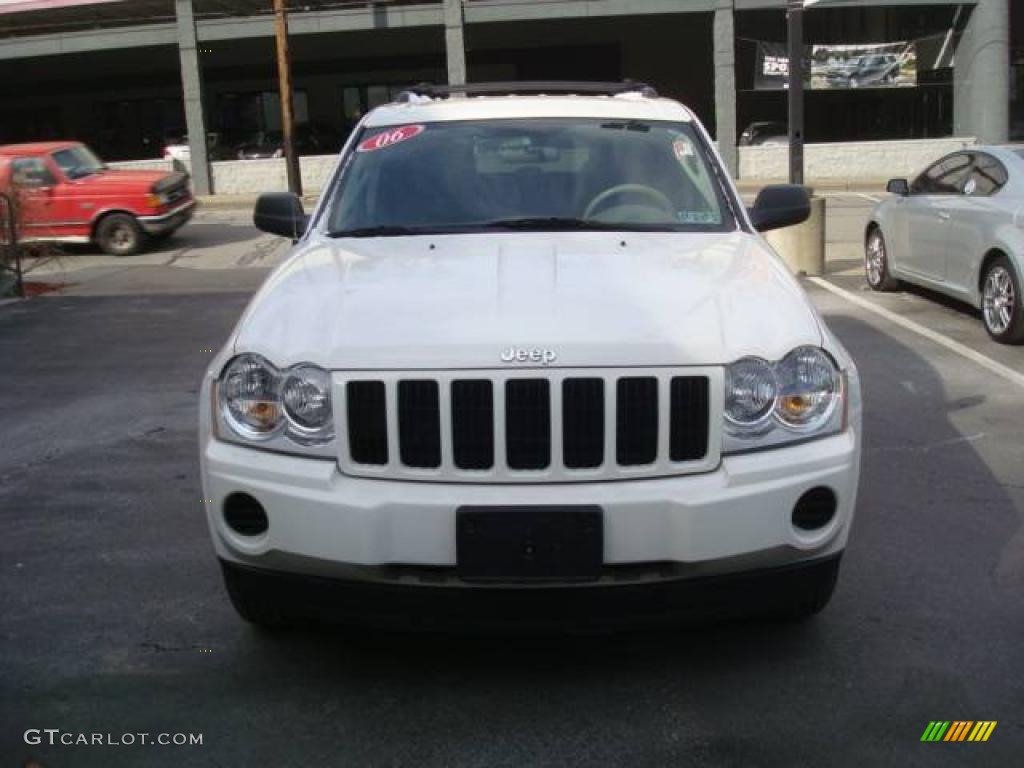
(241, 202)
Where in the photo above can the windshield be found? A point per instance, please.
(77, 162)
(570, 173)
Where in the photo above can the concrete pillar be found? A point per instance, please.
(725, 84)
(802, 246)
(455, 42)
(981, 74)
(192, 87)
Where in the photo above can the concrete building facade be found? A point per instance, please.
(127, 76)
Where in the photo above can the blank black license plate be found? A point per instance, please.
(529, 543)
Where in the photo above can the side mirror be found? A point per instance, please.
(780, 205)
(280, 213)
(898, 187)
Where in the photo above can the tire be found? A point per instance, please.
(808, 593)
(253, 604)
(119, 234)
(876, 263)
(1002, 304)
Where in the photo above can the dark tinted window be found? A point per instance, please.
(988, 176)
(946, 177)
(474, 175)
(31, 172)
(77, 162)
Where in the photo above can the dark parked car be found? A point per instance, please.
(870, 69)
(309, 140)
(760, 134)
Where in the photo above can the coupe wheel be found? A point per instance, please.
(1001, 307)
(120, 235)
(876, 263)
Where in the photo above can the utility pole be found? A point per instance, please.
(795, 42)
(284, 75)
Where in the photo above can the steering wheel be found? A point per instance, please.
(650, 193)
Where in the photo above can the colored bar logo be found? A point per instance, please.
(958, 730)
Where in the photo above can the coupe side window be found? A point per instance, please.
(31, 172)
(946, 177)
(988, 176)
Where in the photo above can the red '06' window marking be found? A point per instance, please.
(389, 137)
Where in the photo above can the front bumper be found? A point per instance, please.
(769, 591)
(736, 518)
(168, 222)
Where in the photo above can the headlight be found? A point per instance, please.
(250, 395)
(307, 404)
(286, 410)
(769, 404)
(809, 389)
(751, 389)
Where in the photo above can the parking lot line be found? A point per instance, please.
(944, 341)
(866, 196)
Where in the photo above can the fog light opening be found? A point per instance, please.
(245, 515)
(815, 509)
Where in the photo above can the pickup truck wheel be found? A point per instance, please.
(119, 234)
(252, 603)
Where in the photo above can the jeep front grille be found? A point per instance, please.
(529, 425)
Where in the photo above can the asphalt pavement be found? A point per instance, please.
(113, 619)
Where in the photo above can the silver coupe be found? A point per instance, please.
(958, 228)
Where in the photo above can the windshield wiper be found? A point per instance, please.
(550, 223)
(384, 230)
(563, 223)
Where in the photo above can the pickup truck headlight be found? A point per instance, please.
(768, 404)
(286, 410)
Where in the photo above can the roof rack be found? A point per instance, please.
(429, 90)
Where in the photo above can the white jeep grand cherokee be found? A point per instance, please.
(530, 360)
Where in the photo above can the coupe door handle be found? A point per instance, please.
(944, 215)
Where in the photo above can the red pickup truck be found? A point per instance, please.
(66, 194)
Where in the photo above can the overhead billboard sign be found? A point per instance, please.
(21, 6)
(832, 67)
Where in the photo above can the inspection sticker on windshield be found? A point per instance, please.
(698, 217)
(390, 137)
(682, 148)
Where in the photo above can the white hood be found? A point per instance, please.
(595, 299)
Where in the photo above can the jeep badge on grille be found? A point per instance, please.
(524, 355)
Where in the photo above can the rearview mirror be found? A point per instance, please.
(780, 205)
(280, 213)
(898, 187)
